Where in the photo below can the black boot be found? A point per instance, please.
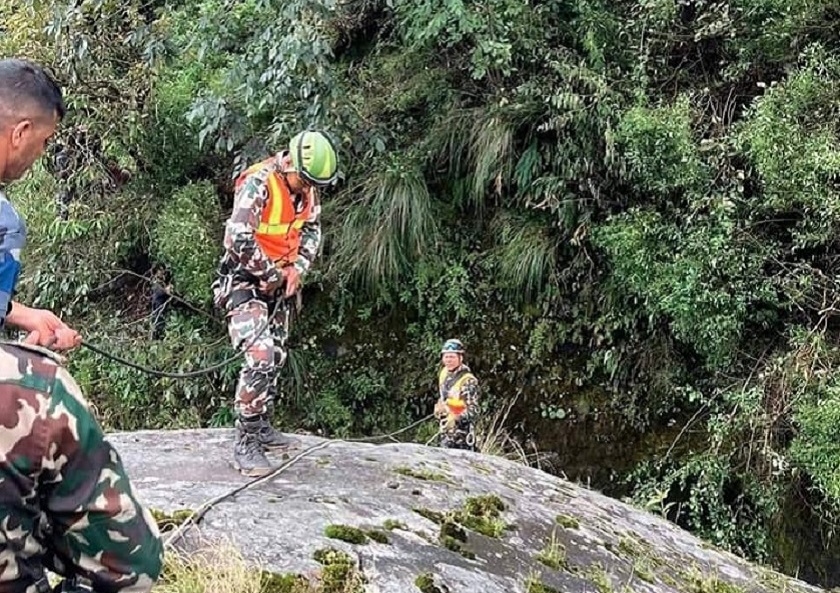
(271, 438)
(248, 456)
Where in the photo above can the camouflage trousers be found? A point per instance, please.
(265, 350)
(462, 436)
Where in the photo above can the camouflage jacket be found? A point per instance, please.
(468, 391)
(66, 503)
(244, 263)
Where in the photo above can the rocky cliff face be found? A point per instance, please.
(401, 518)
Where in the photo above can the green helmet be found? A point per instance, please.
(452, 346)
(313, 156)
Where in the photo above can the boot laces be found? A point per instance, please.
(249, 444)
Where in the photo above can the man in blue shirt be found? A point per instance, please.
(31, 107)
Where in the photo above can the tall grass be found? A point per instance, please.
(387, 228)
(525, 252)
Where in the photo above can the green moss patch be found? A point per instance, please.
(433, 516)
(454, 545)
(699, 583)
(426, 583)
(421, 474)
(283, 583)
(567, 521)
(482, 514)
(392, 524)
(535, 586)
(553, 555)
(169, 521)
(346, 533)
(378, 536)
(354, 535)
(339, 573)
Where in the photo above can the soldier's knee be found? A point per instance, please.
(259, 376)
(147, 562)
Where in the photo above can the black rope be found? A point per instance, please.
(200, 372)
(189, 374)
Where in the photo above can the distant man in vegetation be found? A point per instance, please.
(271, 240)
(457, 405)
(30, 108)
(66, 503)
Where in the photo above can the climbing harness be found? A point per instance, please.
(199, 513)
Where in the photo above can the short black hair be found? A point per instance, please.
(24, 83)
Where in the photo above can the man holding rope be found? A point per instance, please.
(66, 502)
(30, 108)
(271, 240)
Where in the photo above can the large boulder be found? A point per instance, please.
(415, 518)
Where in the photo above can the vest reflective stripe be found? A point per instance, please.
(456, 387)
(273, 223)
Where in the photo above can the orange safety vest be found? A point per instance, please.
(452, 396)
(279, 232)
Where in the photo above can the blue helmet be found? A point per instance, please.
(452, 346)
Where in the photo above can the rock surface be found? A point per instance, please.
(594, 543)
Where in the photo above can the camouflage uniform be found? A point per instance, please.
(66, 503)
(462, 435)
(243, 266)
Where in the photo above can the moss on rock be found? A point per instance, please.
(426, 583)
(339, 573)
(346, 533)
(169, 521)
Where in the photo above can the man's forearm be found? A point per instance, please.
(16, 315)
(310, 241)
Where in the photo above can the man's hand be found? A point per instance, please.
(44, 327)
(450, 422)
(270, 288)
(292, 276)
(440, 409)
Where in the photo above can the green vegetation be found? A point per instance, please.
(553, 554)
(627, 211)
(533, 585)
(339, 573)
(426, 583)
(392, 524)
(284, 583)
(433, 516)
(483, 514)
(168, 521)
(378, 536)
(599, 577)
(567, 522)
(354, 535)
(700, 583)
(351, 535)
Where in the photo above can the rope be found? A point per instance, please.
(199, 513)
(190, 374)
